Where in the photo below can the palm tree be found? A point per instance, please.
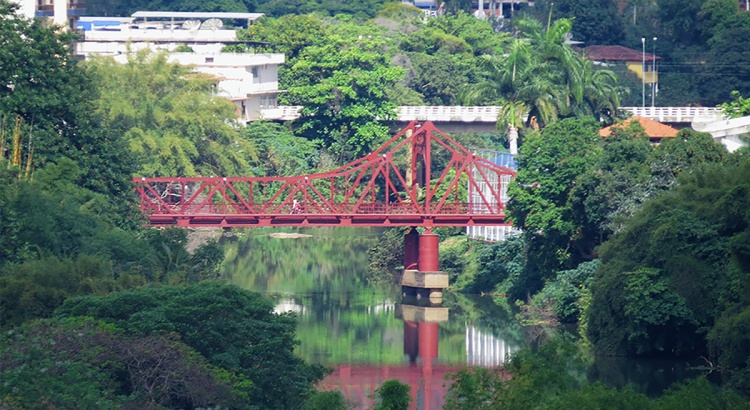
(542, 78)
(601, 93)
(521, 85)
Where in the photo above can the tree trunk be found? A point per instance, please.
(513, 139)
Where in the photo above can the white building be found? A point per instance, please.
(60, 12)
(250, 80)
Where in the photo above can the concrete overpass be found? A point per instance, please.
(483, 118)
(473, 119)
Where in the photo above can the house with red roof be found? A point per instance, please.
(655, 130)
(644, 65)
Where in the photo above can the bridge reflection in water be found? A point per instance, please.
(424, 371)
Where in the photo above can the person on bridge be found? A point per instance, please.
(295, 207)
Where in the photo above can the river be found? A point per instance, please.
(367, 334)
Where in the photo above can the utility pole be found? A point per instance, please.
(653, 74)
(643, 73)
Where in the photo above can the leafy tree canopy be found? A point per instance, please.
(81, 363)
(738, 107)
(234, 329)
(170, 119)
(595, 21)
(675, 268)
(342, 85)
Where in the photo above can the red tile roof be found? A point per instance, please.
(616, 53)
(654, 129)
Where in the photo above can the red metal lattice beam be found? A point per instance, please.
(402, 183)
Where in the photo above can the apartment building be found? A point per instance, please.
(195, 39)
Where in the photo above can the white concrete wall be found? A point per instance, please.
(114, 48)
(163, 35)
(28, 8)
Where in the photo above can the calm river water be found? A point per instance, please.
(367, 334)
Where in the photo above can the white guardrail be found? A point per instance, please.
(677, 114)
(490, 113)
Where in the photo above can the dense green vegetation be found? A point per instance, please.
(553, 378)
(641, 245)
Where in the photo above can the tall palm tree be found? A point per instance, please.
(519, 83)
(542, 77)
(550, 48)
(601, 93)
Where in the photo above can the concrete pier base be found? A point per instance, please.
(424, 285)
(421, 277)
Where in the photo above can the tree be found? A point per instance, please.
(714, 14)
(438, 78)
(43, 87)
(596, 21)
(170, 119)
(281, 153)
(288, 34)
(326, 400)
(342, 86)
(392, 395)
(542, 79)
(614, 188)
(724, 69)
(678, 19)
(675, 267)
(549, 163)
(234, 329)
(81, 363)
(738, 107)
(40, 80)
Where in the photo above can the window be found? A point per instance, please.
(268, 101)
(255, 71)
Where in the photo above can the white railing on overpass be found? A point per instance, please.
(448, 113)
(677, 114)
(490, 113)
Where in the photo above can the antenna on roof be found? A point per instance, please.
(191, 24)
(212, 24)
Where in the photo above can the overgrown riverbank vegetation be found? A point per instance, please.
(644, 247)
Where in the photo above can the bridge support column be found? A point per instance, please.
(425, 280)
(411, 250)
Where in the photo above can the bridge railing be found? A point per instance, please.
(265, 209)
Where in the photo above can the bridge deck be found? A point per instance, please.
(247, 220)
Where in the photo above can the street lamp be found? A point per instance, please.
(653, 74)
(643, 73)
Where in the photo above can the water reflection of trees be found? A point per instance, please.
(343, 318)
(493, 316)
(331, 257)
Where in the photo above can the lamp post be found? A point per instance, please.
(653, 74)
(643, 73)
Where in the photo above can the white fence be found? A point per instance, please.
(677, 114)
(490, 113)
(448, 113)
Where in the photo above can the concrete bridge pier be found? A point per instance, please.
(422, 277)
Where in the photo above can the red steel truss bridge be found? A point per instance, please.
(420, 177)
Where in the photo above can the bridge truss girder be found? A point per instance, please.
(420, 177)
